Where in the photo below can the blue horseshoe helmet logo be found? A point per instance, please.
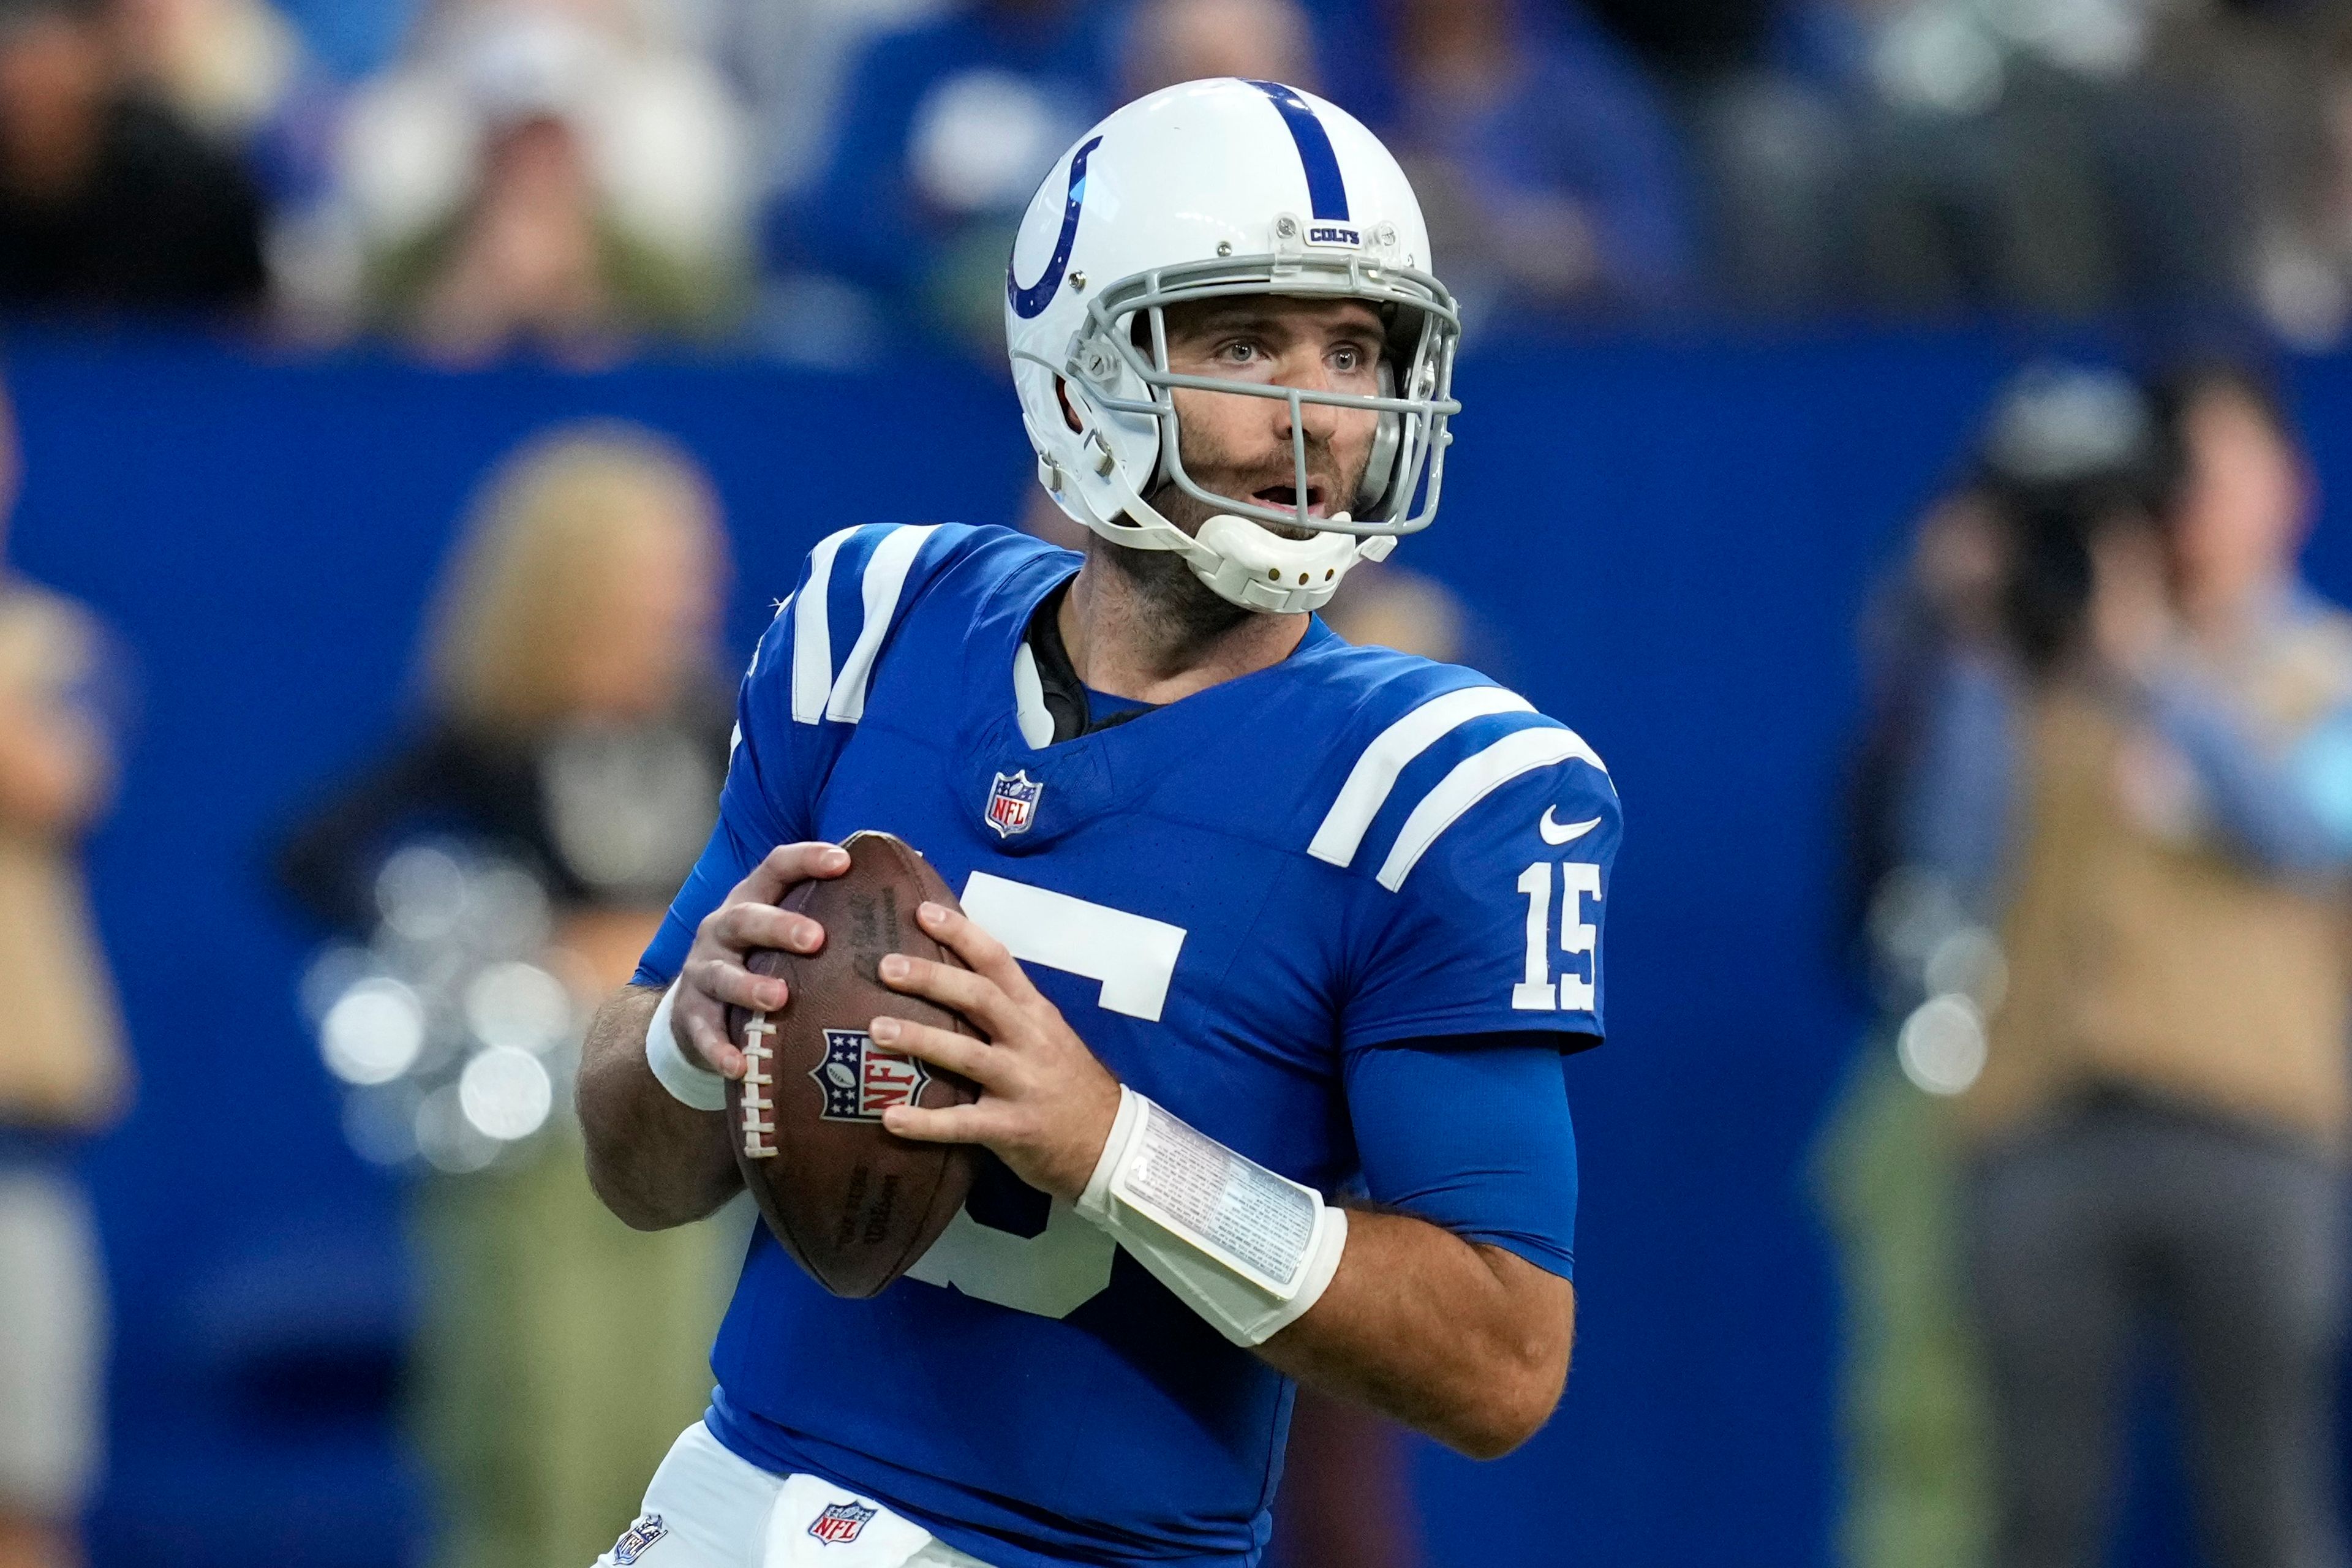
(1030, 301)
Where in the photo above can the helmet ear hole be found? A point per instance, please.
(1062, 396)
(1388, 434)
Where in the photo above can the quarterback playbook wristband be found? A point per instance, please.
(689, 1084)
(1248, 1249)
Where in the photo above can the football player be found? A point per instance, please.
(1276, 944)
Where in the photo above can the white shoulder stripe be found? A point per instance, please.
(886, 579)
(1029, 701)
(1472, 781)
(813, 637)
(1375, 772)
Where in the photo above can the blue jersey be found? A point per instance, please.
(1237, 899)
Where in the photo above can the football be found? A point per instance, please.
(854, 1203)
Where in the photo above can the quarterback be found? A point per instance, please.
(1321, 920)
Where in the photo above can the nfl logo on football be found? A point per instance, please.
(1012, 803)
(839, 1523)
(861, 1080)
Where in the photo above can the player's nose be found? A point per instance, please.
(1317, 419)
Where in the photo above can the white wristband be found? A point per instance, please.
(1247, 1248)
(690, 1083)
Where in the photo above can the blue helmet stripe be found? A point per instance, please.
(1028, 302)
(1327, 192)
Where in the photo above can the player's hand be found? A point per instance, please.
(1046, 1105)
(714, 978)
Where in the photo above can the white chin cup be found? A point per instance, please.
(1251, 565)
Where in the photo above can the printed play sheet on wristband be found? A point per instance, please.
(1249, 1218)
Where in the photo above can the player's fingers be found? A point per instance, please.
(976, 997)
(732, 985)
(944, 1124)
(741, 927)
(981, 952)
(702, 1032)
(941, 1047)
(787, 864)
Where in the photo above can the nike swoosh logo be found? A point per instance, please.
(1559, 833)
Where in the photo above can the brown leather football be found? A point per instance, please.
(855, 1204)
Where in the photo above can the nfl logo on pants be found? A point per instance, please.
(839, 1523)
(1012, 803)
(634, 1540)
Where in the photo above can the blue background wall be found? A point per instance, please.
(1664, 546)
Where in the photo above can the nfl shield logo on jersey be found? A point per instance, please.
(839, 1523)
(1012, 803)
(633, 1541)
(861, 1080)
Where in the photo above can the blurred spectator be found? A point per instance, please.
(2145, 777)
(226, 65)
(1544, 158)
(946, 128)
(1779, 165)
(544, 174)
(791, 60)
(1911, 1423)
(1338, 48)
(1391, 606)
(108, 199)
(1773, 150)
(574, 727)
(1172, 41)
(63, 1074)
(240, 72)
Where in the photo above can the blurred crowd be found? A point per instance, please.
(815, 178)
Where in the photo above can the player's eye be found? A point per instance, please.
(1240, 351)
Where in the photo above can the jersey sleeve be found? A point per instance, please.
(1492, 861)
(1475, 1136)
(800, 700)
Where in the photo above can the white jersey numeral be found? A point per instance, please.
(1068, 1264)
(1537, 994)
(1133, 956)
(1573, 992)
(1052, 1273)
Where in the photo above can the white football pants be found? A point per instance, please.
(709, 1507)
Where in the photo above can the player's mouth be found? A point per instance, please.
(1286, 499)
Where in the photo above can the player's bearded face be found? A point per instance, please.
(1240, 446)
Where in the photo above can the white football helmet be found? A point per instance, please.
(1201, 190)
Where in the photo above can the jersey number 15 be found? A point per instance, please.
(1572, 992)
